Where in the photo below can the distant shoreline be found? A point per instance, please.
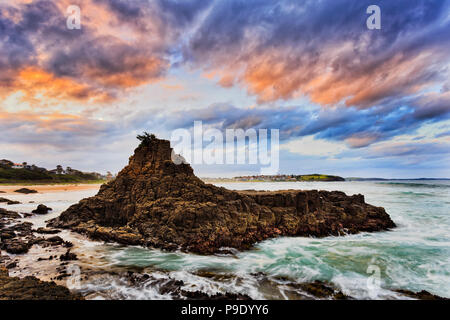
(232, 180)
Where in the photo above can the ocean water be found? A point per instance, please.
(413, 256)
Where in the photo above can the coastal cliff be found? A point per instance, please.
(155, 202)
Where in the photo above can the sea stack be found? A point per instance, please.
(155, 202)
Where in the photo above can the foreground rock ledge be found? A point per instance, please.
(155, 202)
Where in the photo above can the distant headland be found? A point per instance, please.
(278, 178)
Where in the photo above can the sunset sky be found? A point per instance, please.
(347, 100)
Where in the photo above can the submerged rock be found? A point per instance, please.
(25, 190)
(421, 295)
(158, 203)
(8, 201)
(43, 230)
(16, 246)
(31, 288)
(68, 256)
(8, 215)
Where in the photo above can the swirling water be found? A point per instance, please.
(413, 256)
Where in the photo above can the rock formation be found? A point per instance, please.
(31, 288)
(42, 209)
(155, 202)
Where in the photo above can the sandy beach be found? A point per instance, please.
(51, 188)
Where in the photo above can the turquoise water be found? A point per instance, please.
(414, 256)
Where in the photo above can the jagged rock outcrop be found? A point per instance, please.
(157, 203)
(31, 288)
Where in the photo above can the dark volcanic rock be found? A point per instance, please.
(16, 246)
(158, 203)
(42, 209)
(10, 240)
(31, 288)
(5, 214)
(47, 231)
(68, 256)
(422, 295)
(25, 190)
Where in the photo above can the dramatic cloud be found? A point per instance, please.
(358, 128)
(121, 44)
(62, 131)
(309, 68)
(281, 50)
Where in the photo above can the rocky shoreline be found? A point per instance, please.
(157, 203)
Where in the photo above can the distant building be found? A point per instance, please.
(17, 166)
(60, 170)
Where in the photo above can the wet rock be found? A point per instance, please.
(25, 190)
(68, 256)
(8, 214)
(9, 202)
(7, 234)
(199, 295)
(47, 242)
(41, 209)
(43, 259)
(23, 229)
(293, 290)
(43, 230)
(168, 286)
(321, 290)
(157, 203)
(422, 295)
(31, 288)
(55, 240)
(16, 246)
(67, 244)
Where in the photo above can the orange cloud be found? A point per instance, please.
(46, 122)
(36, 83)
(361, 140)
(275, 74)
